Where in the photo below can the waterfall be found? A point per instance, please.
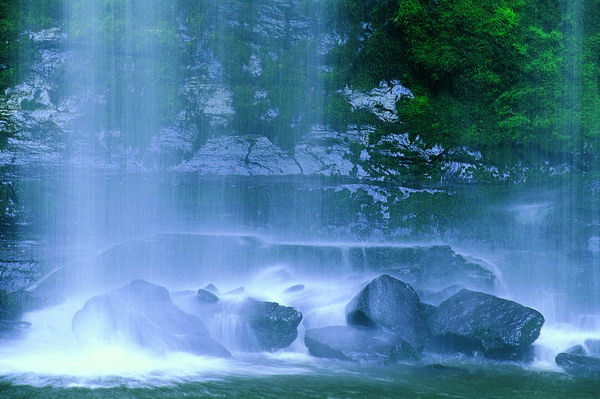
(143, 75)
(240, 158)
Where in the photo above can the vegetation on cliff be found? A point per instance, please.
(518, 80)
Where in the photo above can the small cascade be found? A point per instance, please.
(588, 322)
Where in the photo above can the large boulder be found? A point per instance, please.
(585, 366)
(472, 321)
(142, 314)
(247, 325)
(360, 344)
(390, 304)
(274, 326)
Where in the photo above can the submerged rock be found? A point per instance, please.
(358, 344)
(585, 366)
(576, 350)
(295, 288)
(472, 321)
(212, 288)
(274, 326)
(142, 314)
(390, 304)
(206, 296)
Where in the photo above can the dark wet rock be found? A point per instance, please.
(295, 288)
(585, 366)
(143, 314)
(428, 310)
(593, 347)
(390, 304)
(206, 296)
(437, 297)
(404, 351)
(274, 326)
(576, 350)
(472, 321)
(212, 288)
(358, 344)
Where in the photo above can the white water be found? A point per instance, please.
(49, 354)
(555, 339)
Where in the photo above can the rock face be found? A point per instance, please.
(585, 366)
(476, 322)
(358, 344)
(142, 314)
(12, 307)
(12, 329)
(392, 305)
(433, 267)
(273, 325)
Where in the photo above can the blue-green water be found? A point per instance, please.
(335, 380)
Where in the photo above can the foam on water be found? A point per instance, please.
(49, 354)
(556, 338)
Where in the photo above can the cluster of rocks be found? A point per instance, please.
(387, 322)
(144, 315)
(582, 360)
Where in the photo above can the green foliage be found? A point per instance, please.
(275, 80)
(9, 28)
(518, 80)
